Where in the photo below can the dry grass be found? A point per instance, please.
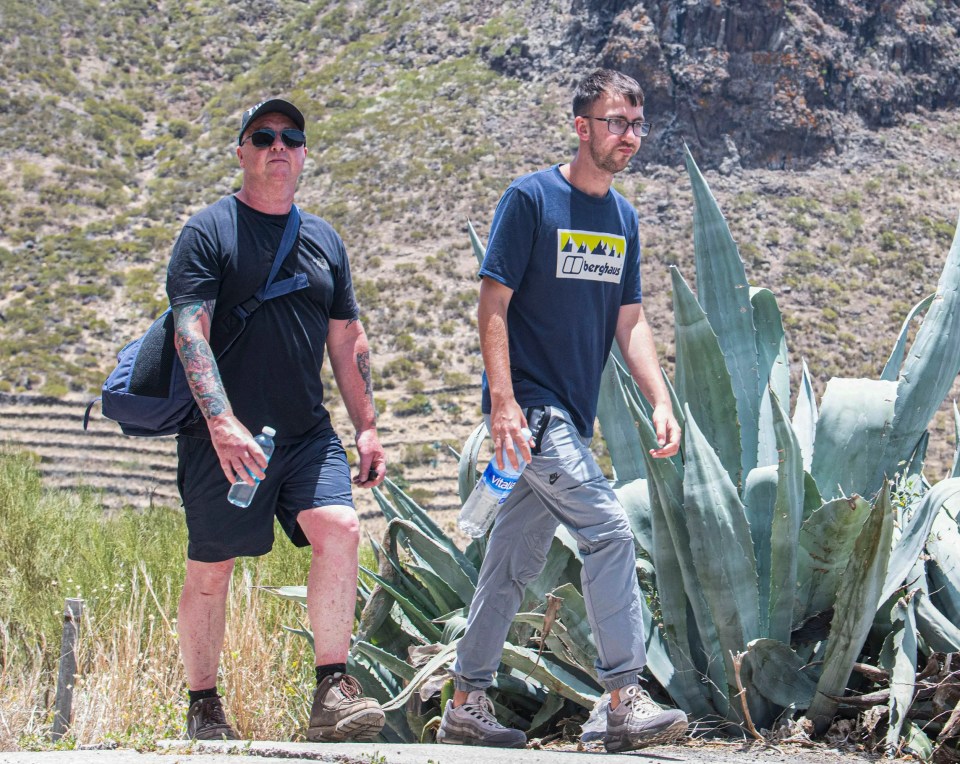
(130, 686)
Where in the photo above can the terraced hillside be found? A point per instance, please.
(126, 471)
(141, 472)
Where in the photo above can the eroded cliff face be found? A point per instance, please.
(768, 84)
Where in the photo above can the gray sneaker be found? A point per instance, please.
(638, 722)
(473, 723)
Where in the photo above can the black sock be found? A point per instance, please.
(331, 668)
(201, 694)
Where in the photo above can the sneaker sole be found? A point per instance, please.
(446, 739)
(664, 736)
(361, 727)
(215, 733)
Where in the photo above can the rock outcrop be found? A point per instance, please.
(779, 82)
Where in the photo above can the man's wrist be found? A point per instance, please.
(221, 421)
(501, 398)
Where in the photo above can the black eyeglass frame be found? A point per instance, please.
(291, 137)
(641, 128)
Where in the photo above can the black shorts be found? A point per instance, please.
(313, 473)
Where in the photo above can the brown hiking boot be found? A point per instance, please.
(340, 712)
(206, 721)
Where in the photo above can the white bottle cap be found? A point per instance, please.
(269, 431)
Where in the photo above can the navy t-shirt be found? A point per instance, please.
(272, 373)
(571, 260)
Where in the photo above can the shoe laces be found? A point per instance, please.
(481, 708)
(634, 698)
(211, 711)
(347, 686)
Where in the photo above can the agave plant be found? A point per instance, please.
(776, 543)
(778, 552)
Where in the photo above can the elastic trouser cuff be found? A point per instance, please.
(461, 684)
(619, 681)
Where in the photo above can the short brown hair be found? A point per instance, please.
(605, 82)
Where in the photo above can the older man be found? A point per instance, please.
(270, 376)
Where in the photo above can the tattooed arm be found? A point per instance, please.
(350, 359)
(235, 446)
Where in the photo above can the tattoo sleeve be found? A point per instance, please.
(363, 365)
(192, 322)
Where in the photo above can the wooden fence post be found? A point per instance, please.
(63, 705)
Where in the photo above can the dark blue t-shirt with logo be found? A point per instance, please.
(571, 260)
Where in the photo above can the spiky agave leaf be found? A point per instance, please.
(562, 566)
(936, 629)
(634, 497)
(724, 293)
(446, 654)
(619, 431)
(404, 671)
(779, 674)
(856, 603)
(773, 368)
(447, 565)
(899, 657)
(694, 647)
(785, 529)
(467, 474)
(703, 382)
(805, 416)
(891, 369)
(856, 416)
(759, 505)
(827, 539)
(479, 251)
(550, 674)
(929, 368)
(721, 547)
(914, 535)
(955, 469)
(943, 545)
(414, 612)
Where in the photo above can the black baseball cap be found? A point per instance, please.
(267, 107)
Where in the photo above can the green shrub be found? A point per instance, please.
(412, 406)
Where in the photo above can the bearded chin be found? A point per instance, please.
(611, 162)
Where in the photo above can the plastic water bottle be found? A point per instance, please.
(241, 493)
(491, 491)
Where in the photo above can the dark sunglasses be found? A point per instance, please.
(264, 138)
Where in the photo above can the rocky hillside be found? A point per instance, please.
(830, 133)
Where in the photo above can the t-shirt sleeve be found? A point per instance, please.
(512, 236)
(195, 270)
(632, 292)
(344, 306)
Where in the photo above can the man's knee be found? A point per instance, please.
(330, 527)
(208, 578)
(608, 537)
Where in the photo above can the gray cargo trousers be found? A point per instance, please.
(563, 484)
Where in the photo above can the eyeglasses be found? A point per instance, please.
(618, 125)
(265, 137)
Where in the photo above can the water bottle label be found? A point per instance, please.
(500, 483)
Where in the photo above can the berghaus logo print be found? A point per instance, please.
(590, 255)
